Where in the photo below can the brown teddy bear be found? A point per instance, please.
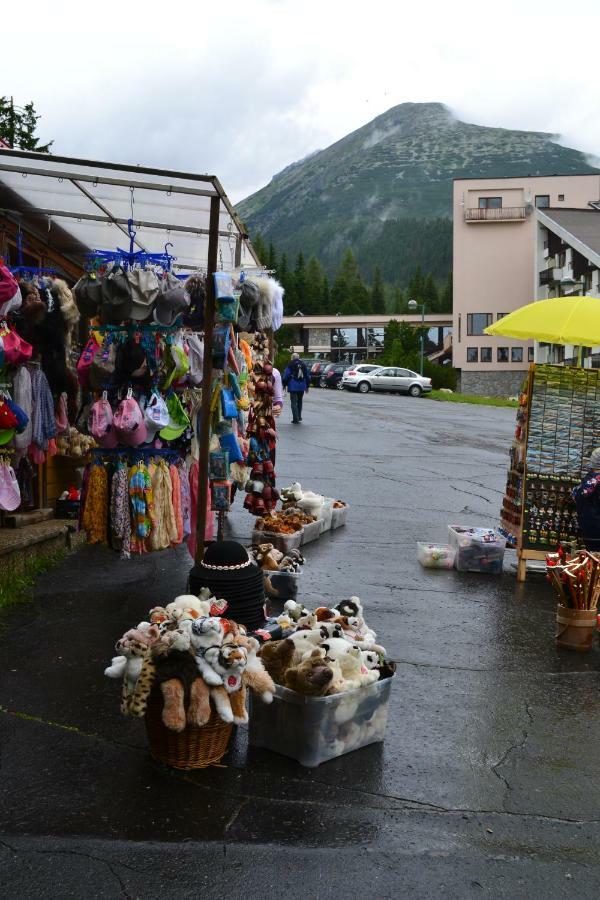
(276, 657)
(312, 677)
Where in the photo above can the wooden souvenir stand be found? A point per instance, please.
(558, 426)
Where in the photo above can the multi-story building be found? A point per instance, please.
(496, 269)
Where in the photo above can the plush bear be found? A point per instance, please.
(311, 677)
(351, 607)
(370, 659)
(189, 605)
(181, 685)
(229, 663)
(308, 621)
(206, 632)
(305, 642)
(336, 646)
(255, 675)
(159, 616)
(295, 610)
(386, 669)
(324, 614)
(276, 656)
(354, 674)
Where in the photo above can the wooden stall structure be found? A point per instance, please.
(557, 428)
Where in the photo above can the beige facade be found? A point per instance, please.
(495, 270)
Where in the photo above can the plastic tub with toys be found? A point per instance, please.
(312, 730)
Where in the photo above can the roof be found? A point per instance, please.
(370, 321)
(582, 225)
(593, 174)
(80, 205)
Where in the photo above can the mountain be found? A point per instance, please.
(385, 190)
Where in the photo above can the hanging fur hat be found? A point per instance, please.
(264, 309)
(195, 288)
(66, 301)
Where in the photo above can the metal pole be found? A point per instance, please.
(422, 335)
(207, 372)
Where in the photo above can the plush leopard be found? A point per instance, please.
(135, 703)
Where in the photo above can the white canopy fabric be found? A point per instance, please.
(81, 205)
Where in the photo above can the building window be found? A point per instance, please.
(490, 203)
(530, 354)
(502, 354)
(561, 196)
(472, 354)
(500, 316)
(542, 201)
(486, 354)
(476, 322)
(516, 354)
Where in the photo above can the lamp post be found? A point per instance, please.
(412, 305)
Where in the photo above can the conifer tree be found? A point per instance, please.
(377, 294)
(18, 125)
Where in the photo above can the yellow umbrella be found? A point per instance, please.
(560, 320)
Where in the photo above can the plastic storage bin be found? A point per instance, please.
(283, 542)
(312, 730)
(281, 586)
(435, 556)
(339, 516)
(311, 532)
(477, 549)
(326, 514)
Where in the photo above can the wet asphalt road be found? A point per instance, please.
(487, 784)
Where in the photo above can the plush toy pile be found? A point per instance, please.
(331, 651)
(194, 656)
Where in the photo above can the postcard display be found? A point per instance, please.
(558, 426)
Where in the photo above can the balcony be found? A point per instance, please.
(550, 276)
(504, 214)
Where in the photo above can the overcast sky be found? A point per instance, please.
(242, 89)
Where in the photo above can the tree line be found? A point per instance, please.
(308, 289)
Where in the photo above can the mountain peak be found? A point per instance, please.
(398, 167)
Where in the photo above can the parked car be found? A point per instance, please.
(393, 379)
(332, 375)
(317, 370)
(353, 375)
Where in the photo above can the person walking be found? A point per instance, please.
(587, 502)
(297, 381)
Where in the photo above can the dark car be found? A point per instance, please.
(332, 376)
(317, 370)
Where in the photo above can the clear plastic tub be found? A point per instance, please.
(326, 514)
(281, 586)
(435, 556)
(477, 549)
(283, 542)
(312, 730)
(339, 516)
(311, 532)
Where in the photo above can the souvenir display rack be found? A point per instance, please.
(558, 424)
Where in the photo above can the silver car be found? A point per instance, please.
(394, 379)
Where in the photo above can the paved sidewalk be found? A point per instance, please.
(485, 787)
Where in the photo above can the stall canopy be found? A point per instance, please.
(77, 205)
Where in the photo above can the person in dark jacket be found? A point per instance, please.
(297, 381)
(587, 501)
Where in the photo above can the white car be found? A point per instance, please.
(354, 374)
(394, 379)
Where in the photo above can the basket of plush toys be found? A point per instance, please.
(332, 681)
(186, 671)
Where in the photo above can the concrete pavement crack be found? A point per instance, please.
(470, 493)
(517, 745)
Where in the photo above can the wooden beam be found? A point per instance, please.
(207, 374)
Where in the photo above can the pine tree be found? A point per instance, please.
(398, 301)
(430, 293)
(18, 126)
(300, 281)
(286, 279)
(446, 296)
(313, 303)
(348, 284)
(349, 308)
(377, 294)
(260, 247)
(416, 286)
(272, 257)
(326, 302)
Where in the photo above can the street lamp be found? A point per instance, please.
(412, 305)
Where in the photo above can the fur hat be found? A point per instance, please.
(65, 298)
(594, 462)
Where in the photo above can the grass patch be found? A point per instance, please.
(468, 398)
(18, 587)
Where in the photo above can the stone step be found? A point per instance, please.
(22, 519)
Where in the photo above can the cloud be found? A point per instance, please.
(243, 89)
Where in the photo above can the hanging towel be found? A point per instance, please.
(22, 396)
(95, 514)
(142, 503)
(186, 500)
(120, 519)
(176, 500)
(44, 423)
(165, 528)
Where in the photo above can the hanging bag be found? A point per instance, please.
(228, 404)
(85, 361)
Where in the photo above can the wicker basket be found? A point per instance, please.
(192, 748)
